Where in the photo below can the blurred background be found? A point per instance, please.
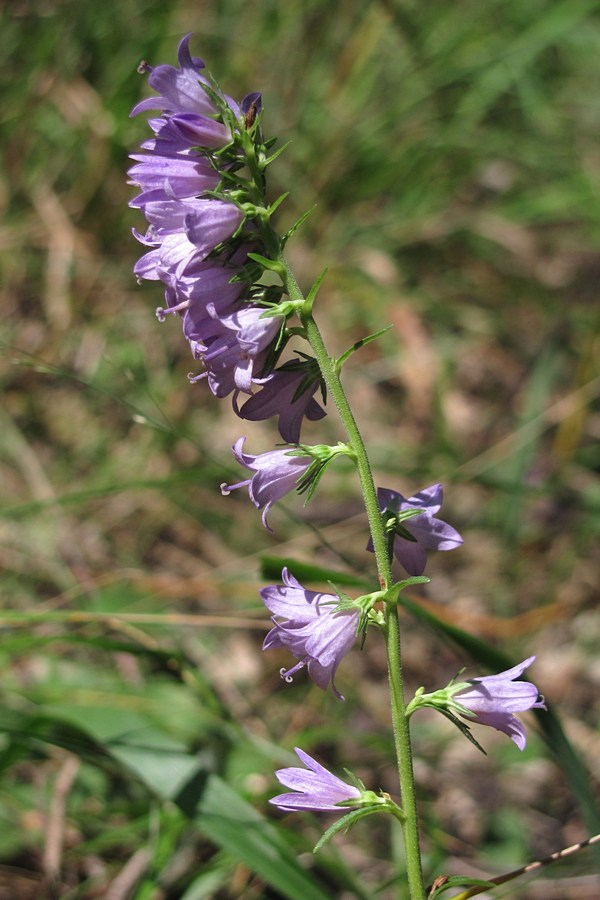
(450, 151)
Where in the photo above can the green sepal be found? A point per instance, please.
(212, 92)
(297, 224)
(272, 264)
(243, 185)
(346, 823)
(322, 455)
(284, 308)
(460, 725)
(456, 881)
(339, 362)
(274, 206)
(269, 159)
(308, 483)
(392, 521)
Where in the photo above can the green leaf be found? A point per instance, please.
(298, 223)
(274, 206)
(307, 573)
(159, 761)
(358, 345)
(346, 823)
(274, 156)
(314, 290)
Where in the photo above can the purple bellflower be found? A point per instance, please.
(232, 347)
(314, 788)
(493, 699)
(179, 90)
(490, 700)
(415, 535)
(311, 626)
(277, 472)
(181, 133)
(288, 394)
(183, 233)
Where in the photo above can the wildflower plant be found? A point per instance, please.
(211, 240)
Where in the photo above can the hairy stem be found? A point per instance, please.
(382, 554)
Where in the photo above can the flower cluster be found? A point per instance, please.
(209, 242)
(203, 225)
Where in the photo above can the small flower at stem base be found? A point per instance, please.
(314, 788)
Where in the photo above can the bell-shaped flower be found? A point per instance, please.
(490, 700)
(207, 284)
(184, 233)
(312, 627)
(239, 345)
(416, 534)
(276, 473)
(288, 394)
(212, 221)
(494, 699)
(314, 788)
(179, 90)
(170, 178)
(183, 133)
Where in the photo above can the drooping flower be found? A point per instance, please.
(493, 699)
(277, 472)
(182, 132)
(490, 700)
(312, 627)
(179, 90)
(314, 788)
(232, 347)
(288, 394)
(217, 282)
(184, 232)
(415, 535)
(164, 178)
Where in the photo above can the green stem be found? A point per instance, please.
(381, 546)
(404, 755)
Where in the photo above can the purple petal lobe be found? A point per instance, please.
(314, 788)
